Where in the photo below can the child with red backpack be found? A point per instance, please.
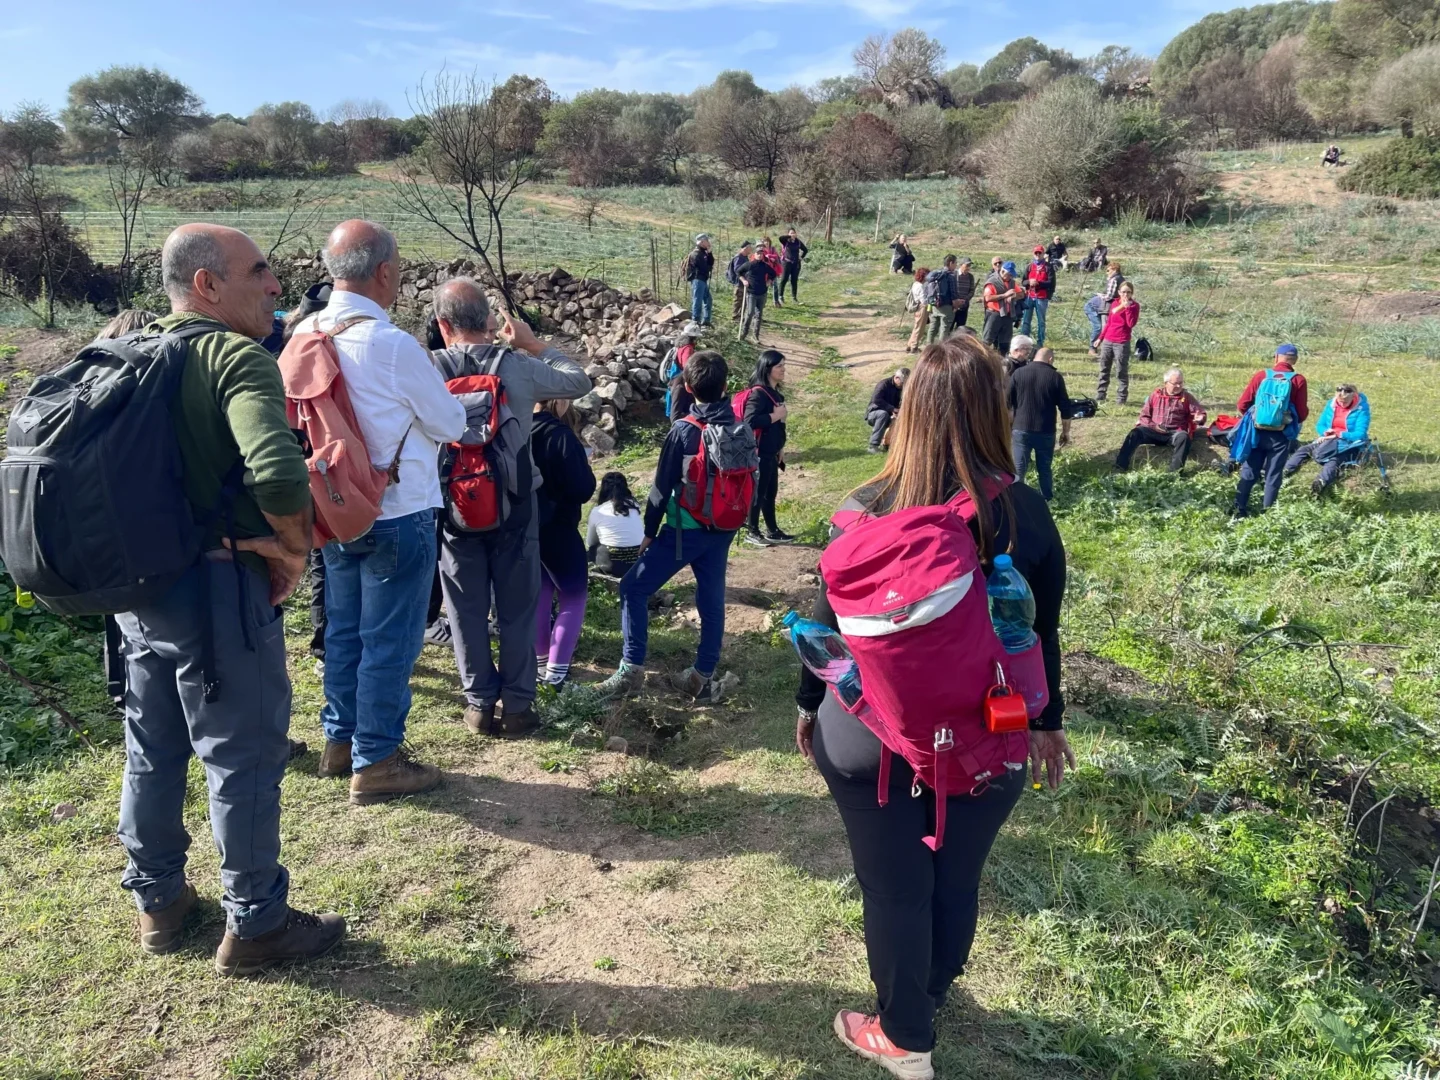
(704, 486)
(904, 582)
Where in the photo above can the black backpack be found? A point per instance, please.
(93, 514)
(1143, 351)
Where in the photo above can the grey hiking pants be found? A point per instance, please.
(505, 563)
(754, 315)
(240, 738)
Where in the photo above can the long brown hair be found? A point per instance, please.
(953, 431)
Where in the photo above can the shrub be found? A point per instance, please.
(706, 186)
(759, 210)
(1407, 92)
(74, 277)
(1402, 168)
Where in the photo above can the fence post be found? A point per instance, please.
(879, 205)
(829, 222)
(672, 276)
(654, 269)
(912, 217)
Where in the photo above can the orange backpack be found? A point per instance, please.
(346, 487)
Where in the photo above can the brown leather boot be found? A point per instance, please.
(302, 937)
(480, 719)
(335, 759)
(394, 778)
(160, 930)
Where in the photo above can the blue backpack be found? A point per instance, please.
(1272, 400)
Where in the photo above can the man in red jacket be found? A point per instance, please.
(1169, 417)
(1272, 444)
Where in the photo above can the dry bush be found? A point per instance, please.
(759, 210)
(1406, 93)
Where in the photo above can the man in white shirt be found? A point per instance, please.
(377, 587)
(503, 563)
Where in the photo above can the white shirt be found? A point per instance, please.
(917, 294)
(614, 530)
(394, 388)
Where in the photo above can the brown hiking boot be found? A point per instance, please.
(394, 778)
(334, 759)
(480, 719)
(160, 930)
(517, 725)
(303, 937)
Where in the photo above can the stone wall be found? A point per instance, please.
(620, 336)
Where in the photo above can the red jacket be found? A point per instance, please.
(1167, 412)
(1120, 322)
(1298, 396)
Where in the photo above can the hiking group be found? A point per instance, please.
(406, 481)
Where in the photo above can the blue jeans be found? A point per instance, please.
(702, 305)
(1038, 309)
(240, 738)
(1022, 444)
(706, 553)
(376, 592)
(1095, 312)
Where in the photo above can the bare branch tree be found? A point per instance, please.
(126, 174)
(479, 149)
(303, 211)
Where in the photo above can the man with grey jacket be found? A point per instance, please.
(504, 562)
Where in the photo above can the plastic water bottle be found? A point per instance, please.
(824, 652)
(1012, 605)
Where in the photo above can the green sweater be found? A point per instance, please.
(231, 408)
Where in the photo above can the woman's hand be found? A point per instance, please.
(1051, 749)
(805, 735)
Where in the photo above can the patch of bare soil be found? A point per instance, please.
(1399, 306)
(1286, 185)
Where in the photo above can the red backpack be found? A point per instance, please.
(346, 487)
(910, 598)
(737, 403)
(718, 482)
(476, 471)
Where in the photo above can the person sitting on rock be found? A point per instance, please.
(1343, 430)
(1169, 417)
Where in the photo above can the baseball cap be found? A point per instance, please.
(691, 330)
(702, 236)
(1008, 267)
(1287, 350)
(1039, 250)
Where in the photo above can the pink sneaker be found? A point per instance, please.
(862, 1034)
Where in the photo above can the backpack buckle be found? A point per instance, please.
(944, 739)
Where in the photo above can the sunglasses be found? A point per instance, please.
(1345, 389)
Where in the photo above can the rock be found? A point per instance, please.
(570, 328)
(807, 580)
(589, 404)
(597, 440)
(617, 393)
(616, 745)
(669, 313)
(63, 812)
(640, 379)
(607, 423)
(596, 370)
(616, 368)
(604, 352)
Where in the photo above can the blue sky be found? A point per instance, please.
(320, 52)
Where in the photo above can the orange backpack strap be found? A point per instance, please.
(340, 327)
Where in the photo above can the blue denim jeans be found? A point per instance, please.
(1022, 445)
(1095, 312)
(376, 592)
(239, 738)
(701, 303)
(706, 553)
(1038, 309)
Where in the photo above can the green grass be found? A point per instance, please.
(1192, 904)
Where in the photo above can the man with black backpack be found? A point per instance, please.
(502, 561)
(698, 266)
(703, 490)
(940, 296)
(198, 566)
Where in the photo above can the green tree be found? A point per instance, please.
(1349, 42)
(143, 106)
(749, 129)
(1009, 62)
(1247, 32)
(1406, 92)
(31, 136)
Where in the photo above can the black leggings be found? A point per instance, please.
(767, 487)
(791, 276)
(920, 906)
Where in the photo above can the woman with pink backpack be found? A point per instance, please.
(906, 571)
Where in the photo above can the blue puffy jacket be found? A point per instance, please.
(1357, 423)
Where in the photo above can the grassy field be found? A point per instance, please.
(1232, 886)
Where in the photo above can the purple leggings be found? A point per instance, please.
(560, 643)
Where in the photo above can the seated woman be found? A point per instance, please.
(616, 527)
(921, 903)
(1344, 429)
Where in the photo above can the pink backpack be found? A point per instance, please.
(909, 594)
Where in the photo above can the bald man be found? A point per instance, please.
(504, 563)
(377, 588)
(206, 664)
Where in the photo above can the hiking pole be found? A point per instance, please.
(1358, 301)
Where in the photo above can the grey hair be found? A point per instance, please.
(462, 303)
(1172, 371)
(1022, 341)
(360, 261)
(186, 252)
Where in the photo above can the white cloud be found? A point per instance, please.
(760, 41)
(812, 69)
(626, 69)
(536, 16)
(877, 10)
(401, 26)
